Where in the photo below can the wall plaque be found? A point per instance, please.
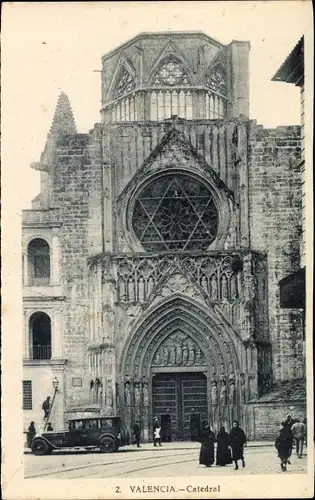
(77, 382)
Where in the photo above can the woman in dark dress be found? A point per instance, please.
(31, 434)
(238, 441)
(283, 445)
(223, 448)
(206, 456)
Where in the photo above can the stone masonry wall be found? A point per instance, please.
(76, 190)
(275, 227)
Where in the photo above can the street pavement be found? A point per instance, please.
(171, 460)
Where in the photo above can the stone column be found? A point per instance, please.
(55, 261)
(57, 335)
(25, 268)
(239, 78)
(27, 333)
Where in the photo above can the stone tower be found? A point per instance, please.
(174, 215)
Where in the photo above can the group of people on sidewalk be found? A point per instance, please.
(292, 432)
(230, 446)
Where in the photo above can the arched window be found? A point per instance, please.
(40, 332)
(125, 83)
(38, 262)
(171, 73)
(216, 81)
(175, 212)
(217, 91)
(172, 95)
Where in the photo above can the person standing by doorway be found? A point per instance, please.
(136, 431)
(298, 431)
(157, 436)
(31, 433)
(206, 455)
(223, 448)
(238, 441)
(49, 427)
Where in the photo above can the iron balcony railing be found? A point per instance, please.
(38, 281)
(41, 352)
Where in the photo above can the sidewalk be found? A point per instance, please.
(186, 445)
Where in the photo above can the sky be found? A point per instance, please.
(49, 47)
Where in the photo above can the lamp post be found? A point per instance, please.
(55, 384)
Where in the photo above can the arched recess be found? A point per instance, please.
(221, 358)
(38, 252)
(40, 335)
(188, 316)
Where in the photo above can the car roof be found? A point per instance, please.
(91, 418)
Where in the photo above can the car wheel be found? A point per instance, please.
(108, 445)
(39, 447)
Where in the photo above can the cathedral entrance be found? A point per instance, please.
(179, 400)
(181, 366)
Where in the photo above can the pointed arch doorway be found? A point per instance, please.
(180, 366)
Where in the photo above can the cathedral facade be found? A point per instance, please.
(153, 252)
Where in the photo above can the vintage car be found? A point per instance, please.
(102, 433)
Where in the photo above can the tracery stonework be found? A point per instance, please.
(178, 350)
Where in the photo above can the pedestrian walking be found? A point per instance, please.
(238, 441)
(31, 433)
(46, 407)
(224, 456)
(157, 436)
(288, 423)
(136, 431)
(49, 427)
(283, 445)
(298, 431)
(206, 455)
(305, 437)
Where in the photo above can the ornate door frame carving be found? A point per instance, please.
(224, 355)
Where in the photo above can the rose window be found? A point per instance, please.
(125, 83)
(216, 81)
(171, 73)
(175, 212)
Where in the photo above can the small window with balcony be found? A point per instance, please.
(40, 336)
(38, 262)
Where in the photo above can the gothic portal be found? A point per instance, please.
(163, 230)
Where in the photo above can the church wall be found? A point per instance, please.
(275, 227)
(130, 144)
(77, 191)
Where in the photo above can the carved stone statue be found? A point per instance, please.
(192, 354)
(232, 391)
(243, 389)
(117, 396)
(157, 358)
(179, 354)
(166, 355)
(223, 392)
(137, 390)
(214, 393)
(145, 392)
(173, 355)
(109, 394)
(127, 393)
(199, 356)
(185, 354)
